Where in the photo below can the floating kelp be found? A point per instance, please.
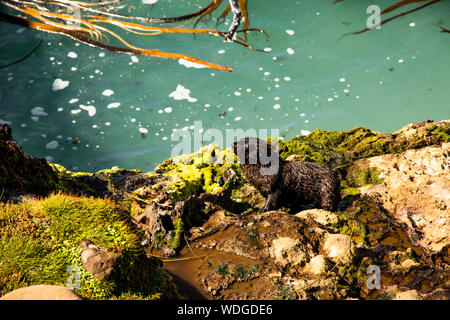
(394, 8)
(85, 22)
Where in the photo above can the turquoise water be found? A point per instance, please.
(383, 80)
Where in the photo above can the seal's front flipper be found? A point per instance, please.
(272, 201)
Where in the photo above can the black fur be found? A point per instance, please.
(289, 183)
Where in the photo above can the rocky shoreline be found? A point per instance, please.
(197, 221)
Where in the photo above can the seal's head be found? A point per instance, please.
(254, 151)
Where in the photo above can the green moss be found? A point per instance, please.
(222, 269)
(240, 273)
(359, 177)
(198, 172)
(39, 240)
(442, 132)
(68, 182)
(285, 293)
(348, 224)
(178, 233)
(338, 148)
(350, 192)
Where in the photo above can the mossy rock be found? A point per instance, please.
(39, 241)
(339, 148)
(20, 172)
(198, 172)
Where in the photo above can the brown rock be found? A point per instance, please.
(286, 251)
(97, 261)
(156, 218)
(407, 295)
(416, 192)
(319, 215)
(317, 265)
(339, 248)
(42, 292)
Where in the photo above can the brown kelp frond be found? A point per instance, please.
(399, 5)
(81, 37)
(209, 11)
(395, 7)
(444, 29)
(23, 58)
(89, 22)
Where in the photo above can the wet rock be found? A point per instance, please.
(42, 292)
(168, 252)
(289, 252)
(407, 295)
(156, 218)
(321, 216)
(317, 266)
(20, 172)
(97, 261)
(339, 248)
(415, 192)
(439, 294)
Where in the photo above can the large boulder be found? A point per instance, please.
(42, 292)
(415, 192)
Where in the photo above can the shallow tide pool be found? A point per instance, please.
(90, 109)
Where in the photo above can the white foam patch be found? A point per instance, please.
(290, 32)
(168, 109)
(72, 55)
(149, 1)
(75, 100)
(134, 59)
(290, 51)
(143, 130)
(189, 64)
(113, 105)
(38, 112)
(5, 122)
(277, 106)
(59, 84)
(108, 92)
(75, 111)
(52, 144)
(182, 93)
(90, 109)
(305, 132)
